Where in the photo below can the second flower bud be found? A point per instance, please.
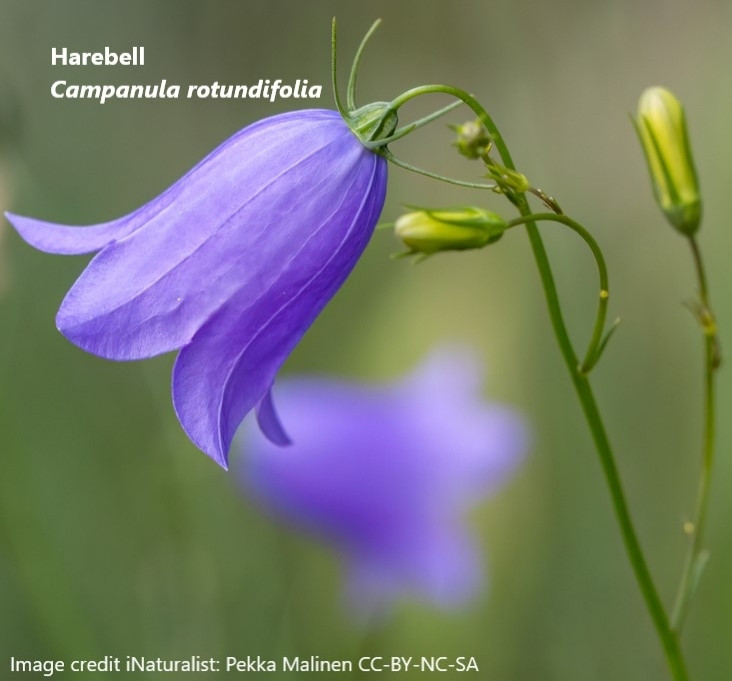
(449, 229)
(661, 126)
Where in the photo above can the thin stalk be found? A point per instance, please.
(667, 636)
(386, 153)
(596, 341)
(333, 70)
(351, 91)
(411, 127)
(696, 555)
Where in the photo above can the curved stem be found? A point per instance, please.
(696, 555)
(595, 345)
(469, 101)
(667, 636)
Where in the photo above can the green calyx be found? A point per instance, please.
(373, 123)
(376, 124)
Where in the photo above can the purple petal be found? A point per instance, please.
(59, 239)
(490, 439)
(231, 264)
(218, 230)
(74, 240)
(232, 361)
(446, 570)
(269, 421)
(386, 474)
(67, 240)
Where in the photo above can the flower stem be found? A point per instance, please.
(696, 556)
(667, 636)
(669, 641)
(594, 349)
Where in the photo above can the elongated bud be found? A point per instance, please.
(661, 126)
(448, 229)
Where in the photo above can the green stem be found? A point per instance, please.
(667, 636)
(696, 555)
(669, 641)
(596, 341)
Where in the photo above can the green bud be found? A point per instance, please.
(472, 139)
(448, 229)
(661, 126)
(509, 181)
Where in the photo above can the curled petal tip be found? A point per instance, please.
(269, 422)
(51, 237)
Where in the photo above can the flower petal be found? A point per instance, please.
(269, 421)
(68, 240)
(51, 237)
(232, 360)
(170, 265)
(489, 439)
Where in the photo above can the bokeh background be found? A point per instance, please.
(118, 537)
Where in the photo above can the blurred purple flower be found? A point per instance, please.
(230, 265)
(386, 474)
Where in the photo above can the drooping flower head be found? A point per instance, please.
(387, 472)
(230, 265)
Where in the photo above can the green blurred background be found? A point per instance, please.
(118, 537)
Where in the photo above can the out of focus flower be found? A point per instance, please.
(230, 266)
(386, 474)
(661, 126)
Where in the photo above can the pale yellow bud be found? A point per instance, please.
(661, 126)
(449, 229)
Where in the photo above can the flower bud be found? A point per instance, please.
(449, 229)
(472, 139)
(661, 126)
